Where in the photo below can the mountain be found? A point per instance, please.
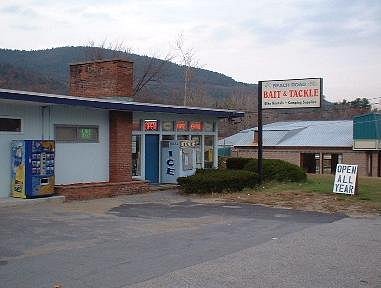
(53, 64)
(17, 78)
(48, 71)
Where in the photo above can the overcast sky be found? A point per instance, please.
(249, 40)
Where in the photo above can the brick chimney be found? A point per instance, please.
(104, 78)
(109, 78)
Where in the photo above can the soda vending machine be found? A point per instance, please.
(178, 159)
(32, 164)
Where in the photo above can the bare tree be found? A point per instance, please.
(105, 50)
(153, 70)
(188, 62)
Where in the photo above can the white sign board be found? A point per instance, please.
(293, 93)
(345, 179)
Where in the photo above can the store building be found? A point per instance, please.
(105, 142)
(317, 146)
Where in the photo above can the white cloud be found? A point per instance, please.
(248, 40)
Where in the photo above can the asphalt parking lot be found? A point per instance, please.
(165, 240)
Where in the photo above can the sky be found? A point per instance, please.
(248, 40)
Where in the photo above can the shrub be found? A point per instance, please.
(278, 170)
(217, 181)
(236, 163)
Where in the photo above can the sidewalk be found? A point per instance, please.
(15, 202)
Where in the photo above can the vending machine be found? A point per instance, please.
(178, 159)
(32, 168)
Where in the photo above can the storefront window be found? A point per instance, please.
(182, 137)
(168, 137)
(136, 155)
(197, 140)
(209, 126)
(208, 151)
(167, 126)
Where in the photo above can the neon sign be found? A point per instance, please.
(196, 126)
(151, 125)
(181, 125)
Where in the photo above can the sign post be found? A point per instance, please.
(285, 94)
(260, 135)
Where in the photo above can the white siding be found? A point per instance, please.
(32, 129)
(75, 162)
(81, 162)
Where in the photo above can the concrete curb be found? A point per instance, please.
(16, 202)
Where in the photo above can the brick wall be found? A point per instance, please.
(359, 158)
(120, 146)
(107, 78)
(289, 156)
(88, 191)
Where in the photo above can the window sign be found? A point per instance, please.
(167, 125)
(345, 179)
(181, 125)
(209, 126)
(76, 134)
(195, 126)
(151, 125)
(85, 133)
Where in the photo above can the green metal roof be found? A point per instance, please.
(367, 126)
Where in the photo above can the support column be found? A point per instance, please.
(120, 163)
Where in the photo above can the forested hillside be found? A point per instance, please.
(48, 71)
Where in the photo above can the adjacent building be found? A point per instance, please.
(317, 146)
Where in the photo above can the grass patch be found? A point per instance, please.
(316, 194)
(369, 187)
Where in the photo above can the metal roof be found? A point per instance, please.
(298, 134)
(110, 104)
(242, 138)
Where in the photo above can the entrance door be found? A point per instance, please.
(308, 162)
(152, 158)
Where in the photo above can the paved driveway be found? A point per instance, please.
(165, 240)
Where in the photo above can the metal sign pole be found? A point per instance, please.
(260, 134)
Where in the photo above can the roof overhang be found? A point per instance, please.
(109, 104)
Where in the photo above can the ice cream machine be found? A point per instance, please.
(178, 159)
(32, 168)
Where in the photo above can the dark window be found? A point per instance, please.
(78, 134)
(10, 124)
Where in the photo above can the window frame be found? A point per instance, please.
(77, 127)
(14, 118)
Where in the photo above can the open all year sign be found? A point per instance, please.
(345, 179)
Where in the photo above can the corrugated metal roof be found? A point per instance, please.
(298, 134)
(242, 138)
(109, 104)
